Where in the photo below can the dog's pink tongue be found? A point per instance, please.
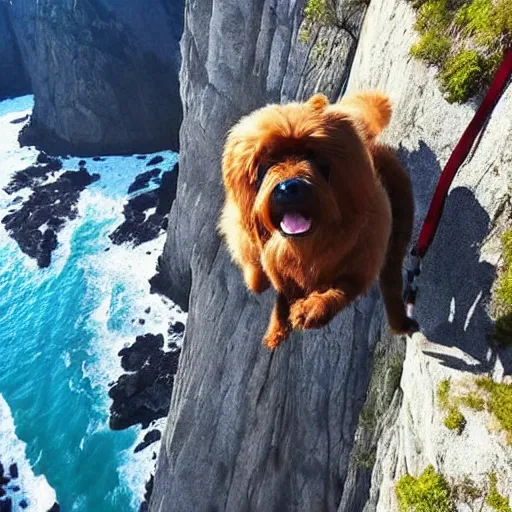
(295, 224)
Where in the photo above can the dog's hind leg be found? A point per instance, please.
(398, 186)
(391, 287)
(279, 326)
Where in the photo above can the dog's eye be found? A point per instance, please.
(262, 171)
(324, 168)
(321, 164)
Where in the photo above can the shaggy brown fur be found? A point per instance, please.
(360, 209)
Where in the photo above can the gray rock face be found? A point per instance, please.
(250, 430)
(104, 73)
(13, 79)
(458, 272)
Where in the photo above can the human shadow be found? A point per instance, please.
(454, 285)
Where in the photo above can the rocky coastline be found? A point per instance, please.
(11, 493)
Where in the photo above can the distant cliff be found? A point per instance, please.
(334, 418)
(13, 78)
(104, 73)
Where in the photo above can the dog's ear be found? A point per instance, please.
(370, 111)
(318, 101)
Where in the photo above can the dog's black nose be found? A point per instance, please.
(293, 190)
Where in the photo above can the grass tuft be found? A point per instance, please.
(426, 493)
(494, 499)
(465, 39)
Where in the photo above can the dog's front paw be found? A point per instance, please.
(310, 313)
(273, 338)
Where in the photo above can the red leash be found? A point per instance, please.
(461, 151)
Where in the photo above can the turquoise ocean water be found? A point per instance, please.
(60, 331)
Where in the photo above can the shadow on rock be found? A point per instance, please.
(454, 286)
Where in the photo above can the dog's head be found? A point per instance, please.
(303, 169)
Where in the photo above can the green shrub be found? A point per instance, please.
(494, 498)
(473, 401)
(455, 421)
(432, 47)
(503, 328)
(499, 402)
(462, 75)
(427, 493)
(322, 12)
(443, 393)
(465, 39)
(433, 15)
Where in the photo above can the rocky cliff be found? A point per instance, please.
(13, 78)
(253, 430)
(104, 73)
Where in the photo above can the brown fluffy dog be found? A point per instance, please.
(318, 208)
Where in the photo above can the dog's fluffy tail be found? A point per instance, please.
(370, 109)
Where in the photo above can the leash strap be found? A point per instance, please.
(461, 151)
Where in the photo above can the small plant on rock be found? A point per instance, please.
(426, 493)
(494, 499)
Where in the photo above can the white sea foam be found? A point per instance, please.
(34, 489)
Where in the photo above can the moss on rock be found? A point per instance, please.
(494, 499)
(465, 39)
(426, 493)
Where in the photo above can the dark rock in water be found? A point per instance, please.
(154, 456)
(20, 119)
(142, 321)
(141, 157)
(55, 508)
(144, 507)
(33, 175)
(53, 163)
(81, 163)
(144, 394)
(45, 248)
(13, 470)
(155, 160)
(70, 47)
(147, 310)
(6, 505)
(15, 488)
(134, 357)
(137, 228)
(23, 504)
(99, 159)
(143, 179)
(151, 437)
(49, 205)
(14, 80)
(178, 327)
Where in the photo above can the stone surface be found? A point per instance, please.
(13, 78)
(458, 272)
(84, 58)
(251, 430)
(256, 414)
